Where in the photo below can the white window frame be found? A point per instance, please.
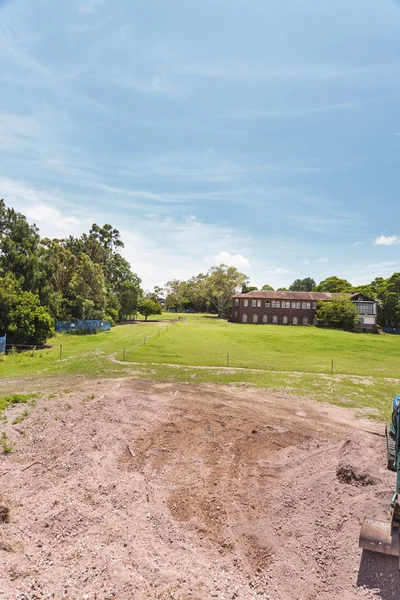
(265, 318)
(308, 305)
(267, 304)
(278, 304)
(303, 305)
(275, 320)
(258, 303)
(236, 301)
(273, 304)
(284, 320)
(255, 319)
(295, 321)
(244, 318)
(254, 303)
(305, 321)
(246, 302)
(293, 304)
(314, 305)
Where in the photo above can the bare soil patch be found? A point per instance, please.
(132, 489)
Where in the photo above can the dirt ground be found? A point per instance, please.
(131, 489)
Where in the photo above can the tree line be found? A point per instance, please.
(43, 280)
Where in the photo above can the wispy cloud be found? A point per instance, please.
(383, 240)
(291, 112)
(89, 6)
(323, 259)
(279, 271)
(357, 244)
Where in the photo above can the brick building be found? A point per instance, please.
(293, 308)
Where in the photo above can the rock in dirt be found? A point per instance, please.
(4, 514)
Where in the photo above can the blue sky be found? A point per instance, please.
(264, 134)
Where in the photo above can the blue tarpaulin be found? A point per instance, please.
(89, 325)
(395, 330)
(2, 344)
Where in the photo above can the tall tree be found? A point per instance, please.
(267, 287)
(221, 284)
(335, 285)
(88, 289)
(18, 248)
(303, 285)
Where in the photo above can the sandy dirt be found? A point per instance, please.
(130, 489)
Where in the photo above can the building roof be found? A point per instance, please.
(271, 295)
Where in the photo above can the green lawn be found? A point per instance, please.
(273, 347)
(295, 360)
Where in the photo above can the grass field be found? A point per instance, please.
(366, 368)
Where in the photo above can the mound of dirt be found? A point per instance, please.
(128, 489)
(357, 464)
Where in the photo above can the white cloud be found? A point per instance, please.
(306, 262)
(232, 260)
(383, 240)
(279, 271)
(323, 259)
(357, 244)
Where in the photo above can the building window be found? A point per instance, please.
(284, 320)
(305, 321)
(246, 303)
(265, 319)
(236, 301)
(303, 305)
(255, 319)
(308, 305)
(295, 321)
(278, 304)
(365, 308)
(293, 304)
(275, 320)
(285, 304)
(314, 305)
(236, 315)
(258, 303)
(297, 304)
(254, 303)
(267, 303)
(273, 304)
(244, 318)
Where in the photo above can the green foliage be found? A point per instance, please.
(267, 287)
(220, 285)
(340, 312)
(147, 307)
(334, 285)
(5, 443)
(21, 316)
(18, 248)
(249, 288)
(88, 289)
(303, 285)
(129, 294)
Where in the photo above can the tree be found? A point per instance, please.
(21, 316)
(249, 288)
(267, 287)
(302, 285)
(130, 293)
(340, 312)
(147, 307)
(88, 290)
(18, 248)
(335, 285)
(388, 292)
(220, 285)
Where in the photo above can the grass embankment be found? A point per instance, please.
(289, 359)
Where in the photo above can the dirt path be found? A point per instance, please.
(131, 489)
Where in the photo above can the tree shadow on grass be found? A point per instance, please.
(379, 572)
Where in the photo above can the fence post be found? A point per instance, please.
(123, 354)
(227, 359)
(332, 366)
(60, 350)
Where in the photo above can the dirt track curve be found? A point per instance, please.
(129, 489)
